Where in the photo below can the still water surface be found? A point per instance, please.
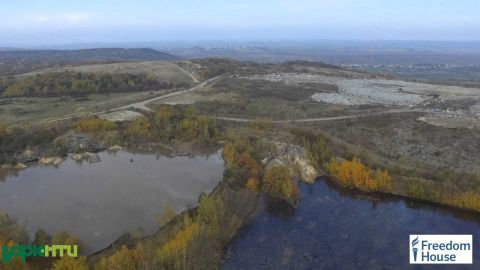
(99, 202)
(340, 229)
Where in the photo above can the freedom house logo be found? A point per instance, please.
(441, 249)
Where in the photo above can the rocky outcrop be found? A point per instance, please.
(115, 148)
(17, 166)
(75, 142)
(295, 157)
(87, 156)
(50, 160)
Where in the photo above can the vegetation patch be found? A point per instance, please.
(78, 83)
(355, 174)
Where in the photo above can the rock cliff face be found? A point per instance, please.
(295, 157)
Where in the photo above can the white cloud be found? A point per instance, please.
(42, 18)
(77, 17)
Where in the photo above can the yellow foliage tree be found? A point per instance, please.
(229, 155)
(69, 263)
(174, 253)
(290, 191)
(277, 183)
(354, 173)
(383, 180)
(167, 216)
(64, 238)
(126, 259)
(140, 129)
(94, 125)
(252, 184)
(210, 211)
(165, 113)
(121, 259)
(467, 200)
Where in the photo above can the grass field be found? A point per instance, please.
(27, 111)
(34, 110)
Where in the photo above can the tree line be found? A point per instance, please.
(78, 83)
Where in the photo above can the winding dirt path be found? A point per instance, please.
(186, 72)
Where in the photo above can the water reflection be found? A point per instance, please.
(336, 228)
(4, 174)
(101, 201)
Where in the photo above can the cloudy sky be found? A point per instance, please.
(62, 21)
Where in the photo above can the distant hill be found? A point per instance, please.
(3, 49)
(340, 52)
(21, 61)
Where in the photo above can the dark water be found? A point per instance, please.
(101, 201)
(340, 229)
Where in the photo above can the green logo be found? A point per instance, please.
(38, 251)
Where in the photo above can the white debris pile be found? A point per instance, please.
(475, 109)
(336, 98)
(362, 91)
(355, 91)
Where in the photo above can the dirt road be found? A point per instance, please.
(186, 72)
(320, 119)
(142, 105)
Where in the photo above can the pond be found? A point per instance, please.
(334, 228)
(101, 201)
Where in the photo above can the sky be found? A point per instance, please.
(71, 21)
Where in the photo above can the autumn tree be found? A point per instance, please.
(140, 129)
(94, 125)
(354, 173)
(277, 183)
(174, 254)
(183, 125)
(382, 180)
(229, 154)
(127, 259)
(41, 237)
(467, 200)
(210, 212)
(167, 216)
(315, 143)
(64, 238)
(69, 263)
(164, 122)
(252, 184)
(247, 162)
